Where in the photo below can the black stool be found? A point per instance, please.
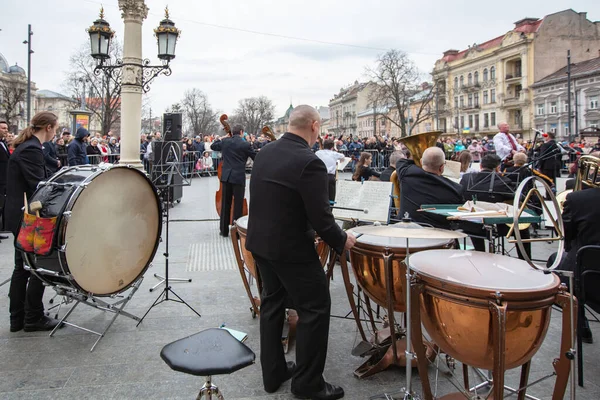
(210, 352)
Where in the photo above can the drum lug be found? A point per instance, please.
(498, 297)
(67, 215)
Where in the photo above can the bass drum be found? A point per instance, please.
(108, 228)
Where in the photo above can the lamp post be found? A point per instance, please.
(133, 74)
(29, 53)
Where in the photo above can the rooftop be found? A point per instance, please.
(578, 69)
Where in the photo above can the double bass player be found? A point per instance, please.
(235, 152)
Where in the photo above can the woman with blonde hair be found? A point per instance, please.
(465, 158)
(26, 168)
(363, 171)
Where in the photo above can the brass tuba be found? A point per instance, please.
(416, 144)
(587, 176)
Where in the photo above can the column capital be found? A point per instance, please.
(133, 9)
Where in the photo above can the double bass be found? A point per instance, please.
(219, 193)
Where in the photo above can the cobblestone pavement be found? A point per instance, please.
(126, 363)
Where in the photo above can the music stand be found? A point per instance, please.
(168, 167)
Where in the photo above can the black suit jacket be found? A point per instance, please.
(487, 186)
(386, 174)
(551, 155)
(581, 216)
(288, 199)
(4, 156)
(50, 156)
(419, 187)
(25, 170)
(236, 152)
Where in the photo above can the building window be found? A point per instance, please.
(456, 122)
(593, 123)
(476, 99)
(470, 101)
(565, 107)
(566, 129)
(456, 83)
(485, 75)
(553, 107)
(462, 81)
(492, 119)
(476, 122)
(470, 121)
(462, 101)
(553, 128)
(540, 109)
(462, 122)
(486, 99)
(492, 95)
(455, 101)
(470, 79)
(593, 102)
(492, 73)
(476, 78)
(486, 120)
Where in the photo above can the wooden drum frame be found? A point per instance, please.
(493, 329)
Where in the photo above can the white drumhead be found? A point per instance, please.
(112, 232)
(480, 270)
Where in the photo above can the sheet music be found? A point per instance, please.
(373, 196)
(342, 164)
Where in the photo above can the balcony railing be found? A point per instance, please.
(509, 77)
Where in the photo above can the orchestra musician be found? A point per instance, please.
(235, 153)
(550, 157)
(426, 186)
(506, 145)
(289, 195)
(25, 170)
(490, 186)
(330, 158)
(386, 174)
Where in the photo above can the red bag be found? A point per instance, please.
(26, 235)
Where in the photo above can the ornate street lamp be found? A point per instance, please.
(101, 35)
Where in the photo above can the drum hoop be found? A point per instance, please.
(73, 199)
(398, 253)
(473, 294)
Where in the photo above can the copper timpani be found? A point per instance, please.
(488, 311)
(368, 260)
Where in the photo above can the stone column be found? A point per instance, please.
(133, 13)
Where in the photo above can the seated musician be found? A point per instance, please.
(426, 186)
(386, 174)
(581, 218)
(363, 171)
(488, 185)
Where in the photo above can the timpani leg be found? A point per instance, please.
(350, 294)
(417, 339)
(525, 368)
(562, 365)
(498, 313)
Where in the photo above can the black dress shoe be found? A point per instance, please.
(329, 392)
(43, 324)
(289, 372)
(586, 336)
(16, 326)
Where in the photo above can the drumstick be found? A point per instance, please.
(426, 209)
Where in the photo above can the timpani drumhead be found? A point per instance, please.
(400, 243)
(113, 231)
(478, 270)
(242, 224)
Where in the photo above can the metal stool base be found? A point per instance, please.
(209, 390)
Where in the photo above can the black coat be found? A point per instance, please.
(77, 154)
(4, 156)
(386, 174)
(487, 186)
(581, 216)
(551, 156)
(25, 170)
(289, 198)
(235, 152)
(50, 156)
(418, 187)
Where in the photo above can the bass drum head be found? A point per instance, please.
(113, 231)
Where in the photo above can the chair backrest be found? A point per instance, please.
(587, 272)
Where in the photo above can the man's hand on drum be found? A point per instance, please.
(350, 240)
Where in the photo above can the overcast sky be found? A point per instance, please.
(294, 55)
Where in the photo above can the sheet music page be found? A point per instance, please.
(342, 164)
(374, 196)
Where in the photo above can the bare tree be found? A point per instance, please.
(102, 93)
(254, 113)
(12, 95)
(398, 86)
(199, 116)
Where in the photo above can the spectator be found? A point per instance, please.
(51, 157)
(93, 151)
(77, 154)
